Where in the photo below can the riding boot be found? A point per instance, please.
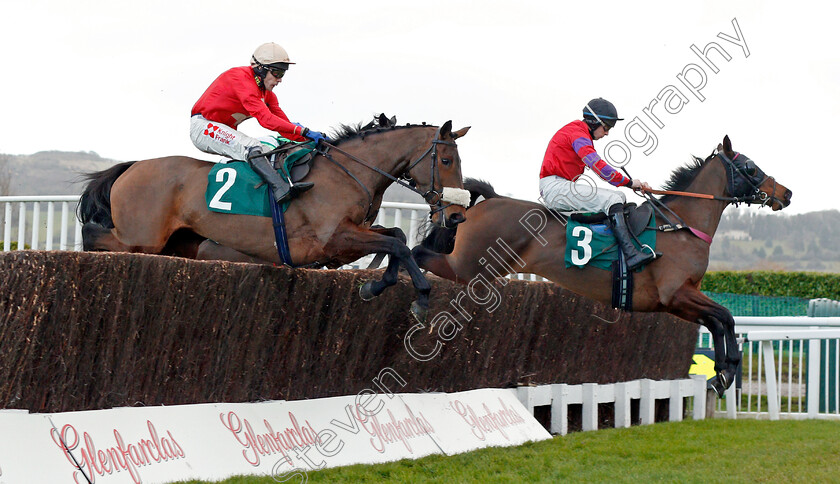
(635, 257)
(281, 189)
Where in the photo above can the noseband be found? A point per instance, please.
(744, 187)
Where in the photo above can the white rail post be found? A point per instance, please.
(560, 409)
(622, 406)
(65, 210)
(590, 407)
(526, 396)
(770, 373)
(647, 402)
(699, 397)
(675, 402)
(7, 229)
(36, 225)
(21, 226)
(50, 225)
(813, 378)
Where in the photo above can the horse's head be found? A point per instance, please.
(748, 183)
(438, 176)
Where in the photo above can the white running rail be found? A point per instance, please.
(25, 225)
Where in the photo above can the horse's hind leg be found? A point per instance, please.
(211, 250)
(95, 237)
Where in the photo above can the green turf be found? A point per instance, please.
(705, 451)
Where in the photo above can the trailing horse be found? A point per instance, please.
(536, 238)
(158, 206)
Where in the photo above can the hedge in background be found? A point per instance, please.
(808, 285)
(83, 331)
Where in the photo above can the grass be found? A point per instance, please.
(704, 451)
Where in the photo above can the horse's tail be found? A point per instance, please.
(442, 239)
(95, 203)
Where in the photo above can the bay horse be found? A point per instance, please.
(158, 206)
(537, 238)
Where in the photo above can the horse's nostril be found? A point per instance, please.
(456, 218)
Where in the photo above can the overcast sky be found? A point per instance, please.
(119, 78)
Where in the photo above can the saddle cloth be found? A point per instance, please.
(235, 188)
(594, 244)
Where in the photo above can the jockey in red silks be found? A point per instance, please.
(569, 152)
(242, 93)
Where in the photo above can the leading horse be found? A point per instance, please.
(158, 206)
(537, 238)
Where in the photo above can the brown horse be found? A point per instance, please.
(158, 206)
(536, 240)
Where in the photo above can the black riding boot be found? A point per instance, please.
(281, 189)
(635, 257)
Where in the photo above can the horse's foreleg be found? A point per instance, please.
(371, 289)
(434, 262)
(692, 305)
(355, 242)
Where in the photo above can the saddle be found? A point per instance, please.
(637, 217)
(295, 158)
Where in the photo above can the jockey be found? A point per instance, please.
(569, 152)
(242, 93)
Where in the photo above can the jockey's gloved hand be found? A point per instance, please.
(315, 136)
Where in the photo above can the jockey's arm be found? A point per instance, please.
(269, 120)
(584, 149)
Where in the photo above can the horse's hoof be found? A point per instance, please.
(366, 292)
(419, 312)
(717, 386)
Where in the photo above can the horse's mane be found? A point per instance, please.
(682, 177)
(346, 132)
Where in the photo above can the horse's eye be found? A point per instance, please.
(750, 168)
(446, 161)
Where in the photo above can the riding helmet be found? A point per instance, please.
(603, 109)
(269, 56)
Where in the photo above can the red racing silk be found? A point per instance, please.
(570, 151)
(235, 96)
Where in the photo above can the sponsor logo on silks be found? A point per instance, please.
(211, 130)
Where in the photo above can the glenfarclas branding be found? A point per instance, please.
(489, 421)
(269, 442)
(120, 458)
(394, 430)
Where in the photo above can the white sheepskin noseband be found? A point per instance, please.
(456, 196)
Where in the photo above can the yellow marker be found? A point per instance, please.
(703, 365)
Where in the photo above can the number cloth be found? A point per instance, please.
(595, 244)
(234, 187)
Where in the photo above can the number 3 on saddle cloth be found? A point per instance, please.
(590, 241)
(235, 188)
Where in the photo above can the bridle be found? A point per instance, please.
(743, 183)
(744, 186)
(433, 197)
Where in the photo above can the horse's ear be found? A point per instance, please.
(393, 120)
(727, 145)
(445, 130)
(461, 132)
(383, 120)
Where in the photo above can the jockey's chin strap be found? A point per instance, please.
(434, 198)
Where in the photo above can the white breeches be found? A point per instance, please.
(220, 139)
(580, 196)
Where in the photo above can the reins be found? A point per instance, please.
(732, 170)
(431, 196)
